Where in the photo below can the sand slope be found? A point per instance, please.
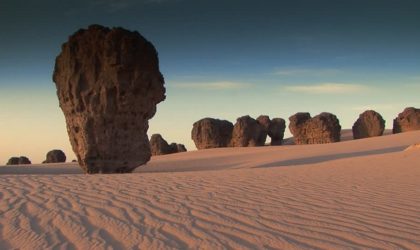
(354, 194)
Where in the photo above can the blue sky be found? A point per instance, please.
(221, 59)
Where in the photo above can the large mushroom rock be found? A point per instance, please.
(18, 161)
(323, 128)
(247, 132)
(369, 124)
(108, 85)
(211, 133)
(408, 120)
(274, 129)
(55, 156)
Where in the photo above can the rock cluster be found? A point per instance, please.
(55, 156)
(211, 133)
(18, 160)
(160, 146)
(108, 85)
(323, 128)
(369, 124)
(274, 128)
(247, 132)
(408, 120)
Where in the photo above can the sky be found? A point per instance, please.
(221, 59)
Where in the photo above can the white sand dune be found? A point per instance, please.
(360, 194)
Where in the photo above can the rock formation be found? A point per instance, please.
(211, 133)
(369, 124)
(18, 161)
(276, 131)
(323, 128)
(177, 148)
(108, 85)
(247, 132)
(55, 156)
(274, 128)
(408, 120)
(13, 161)
(160, 146)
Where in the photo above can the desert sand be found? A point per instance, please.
(356, 194)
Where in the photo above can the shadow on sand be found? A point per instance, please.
(330, 157)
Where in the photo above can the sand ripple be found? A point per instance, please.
(315, 207)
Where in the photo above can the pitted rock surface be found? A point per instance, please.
(369, 124)
(108, 84)
(211, 133)
(323, 128)
(276, 131)
(55, 156)
(248, 132)
(408, 120)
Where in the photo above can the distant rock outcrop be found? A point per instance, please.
(323, 128)
(369, 124)
(274, 128)
(177, 148)
(408, 120)
(55, 156)
(211, 133)
(108, 84)
(160, 146)
(247, 132)
(276, 131)
(18, 160)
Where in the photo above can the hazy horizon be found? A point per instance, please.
(221, 59)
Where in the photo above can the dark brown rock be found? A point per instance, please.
(323, 128)
(211, 133)
(180, 148)
(247, 132)
(13, 161)
(276, 131)
(369, 124)
(24, 160)
(273, 128)
(18, 161)
(108, 84)
(408, 120)
(55, 156)
(160, 146)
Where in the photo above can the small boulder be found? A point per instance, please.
(274, 128)
(18, 161)
(247, 132)
(211, 133)
(160, 146)
(369, 124)
(276, 131)
(177, 148)
(323, 128)
(408, 120)
(55, 156)
(13, 161)
(24, 160)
